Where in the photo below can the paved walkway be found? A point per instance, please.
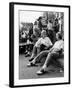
(30, 72)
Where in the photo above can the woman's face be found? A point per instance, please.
(43, 34)
(57, 37)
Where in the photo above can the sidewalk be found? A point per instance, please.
(30, 72)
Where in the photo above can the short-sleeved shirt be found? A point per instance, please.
(58, 45)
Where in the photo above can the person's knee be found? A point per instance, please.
(34, 46)
(50, 55)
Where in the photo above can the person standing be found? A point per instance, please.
(51, 33)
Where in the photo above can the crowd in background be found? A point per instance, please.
(50, 22)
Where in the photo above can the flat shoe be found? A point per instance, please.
(41, 72)
(30, 64)
(31, 59)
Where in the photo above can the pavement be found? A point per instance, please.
(30, 72)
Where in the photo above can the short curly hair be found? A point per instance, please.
(59, 35)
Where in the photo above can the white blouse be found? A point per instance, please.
(59, 45)
(45, 41)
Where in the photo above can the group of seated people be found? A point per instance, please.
(51, 29)
(44, 47)
(47, 42)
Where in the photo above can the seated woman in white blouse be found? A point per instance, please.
(44, 40)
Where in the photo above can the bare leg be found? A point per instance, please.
(40, 56)
(38, 50)
(34, 52)
(49, 58)
(47, 61)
